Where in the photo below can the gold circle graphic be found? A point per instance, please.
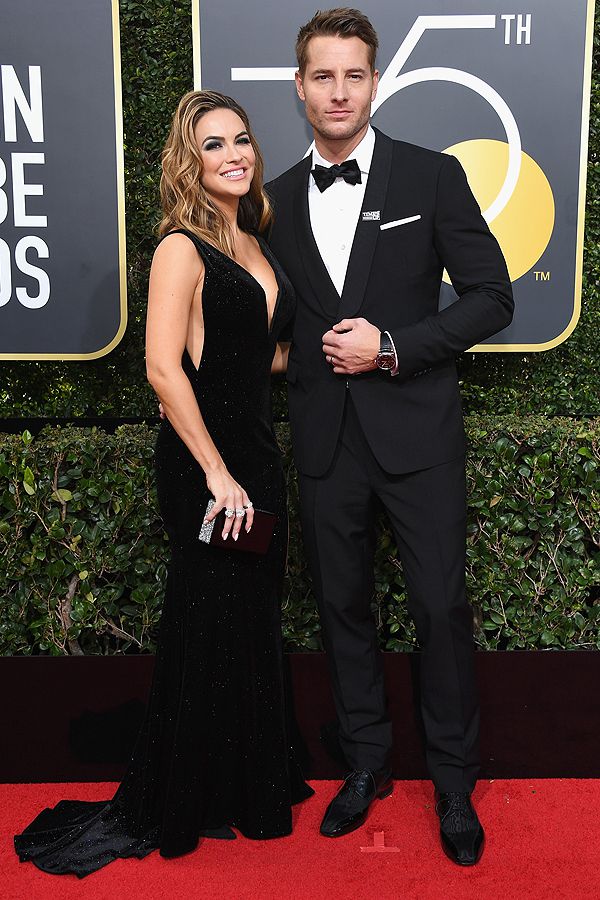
(524, 227)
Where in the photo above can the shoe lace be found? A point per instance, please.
(353, 782)
(459, 815)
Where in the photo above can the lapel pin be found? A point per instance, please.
(373, 216)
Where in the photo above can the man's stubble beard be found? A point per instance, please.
(322, 130)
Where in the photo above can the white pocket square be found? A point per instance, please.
(399, 222)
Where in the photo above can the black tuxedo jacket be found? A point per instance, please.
(413, 420)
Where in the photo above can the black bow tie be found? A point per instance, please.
(324, 176)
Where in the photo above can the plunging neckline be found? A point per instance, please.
(257, 282)
(270, 322)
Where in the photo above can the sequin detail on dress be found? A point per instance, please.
(213, 749)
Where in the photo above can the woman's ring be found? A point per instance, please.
(249, 505)
(239, 513)
(229, 513)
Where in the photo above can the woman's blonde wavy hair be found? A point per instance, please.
(185, 203)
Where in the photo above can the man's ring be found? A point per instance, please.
(330, 359)
(239, 513)
(229, 513)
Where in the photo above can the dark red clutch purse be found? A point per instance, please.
(257, 540)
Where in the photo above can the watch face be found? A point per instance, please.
(386, 360)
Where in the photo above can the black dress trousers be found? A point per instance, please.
(427, 511)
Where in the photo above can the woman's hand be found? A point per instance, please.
(229, 494)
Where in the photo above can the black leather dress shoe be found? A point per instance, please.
(460, 829)
(350, 806)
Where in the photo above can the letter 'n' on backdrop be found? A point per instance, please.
(62, 219)
(507, 92)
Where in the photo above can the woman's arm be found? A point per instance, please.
(176, 280)
(280, 360)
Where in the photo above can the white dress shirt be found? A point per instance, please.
(334, 213)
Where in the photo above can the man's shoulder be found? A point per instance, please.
(413, 154)
(286, 179)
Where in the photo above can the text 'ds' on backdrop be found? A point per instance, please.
(507, 93)
(62, 222)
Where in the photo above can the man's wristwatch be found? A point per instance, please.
(386, 358)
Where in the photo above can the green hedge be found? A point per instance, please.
(84, 552)
(156, 48)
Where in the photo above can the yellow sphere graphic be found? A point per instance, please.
(524, 227)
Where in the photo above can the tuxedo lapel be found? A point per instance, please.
(321, 283)
(367, 230)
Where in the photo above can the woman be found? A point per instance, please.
(213, 751)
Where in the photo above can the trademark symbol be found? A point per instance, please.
(542, 276)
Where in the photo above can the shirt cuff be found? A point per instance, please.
(394, 371)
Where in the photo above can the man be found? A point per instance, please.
(364, 227)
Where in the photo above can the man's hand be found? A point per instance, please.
(351, 346)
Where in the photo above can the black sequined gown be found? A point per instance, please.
(213, 749)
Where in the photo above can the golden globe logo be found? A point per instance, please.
(512, 190)
(514, 193)
(506, 93)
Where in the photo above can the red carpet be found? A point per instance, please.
(543, 844)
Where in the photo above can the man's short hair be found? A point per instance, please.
(340, 22)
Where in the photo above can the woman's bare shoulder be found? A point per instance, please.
(178, 249)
